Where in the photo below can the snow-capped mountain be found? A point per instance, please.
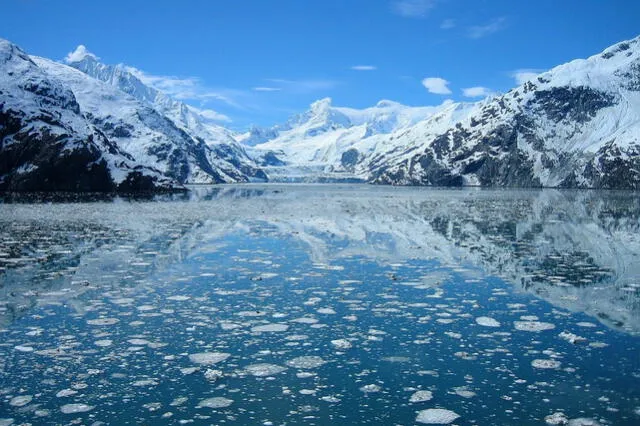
(577, 125)
(329, 141)
(46, 143)
(207, 153)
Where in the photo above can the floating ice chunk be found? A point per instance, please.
(215, 402)
(341, 344)
(20, 401)
(464, 392)
(189, 370)
(436, 416)
(557, 418)
(264, 370)
(421, 396)
(270, 328)
(397, 359)
(307, 391)
(533, 326)
(326, 311)
(22, 348)
(76, 408)
(306, 362)
(586, 324)
(571, 338)
(103, 321)
(145, 383)
(213, 375)
(545, 363)
(139, 342)
(330, 398)
(103, 343)
(178, 401)
(66, 392)
(229, 325)
(487, 322)
(178, 298)
(583, 421)
(371, 388)
(6, 422)
(305, 320)
(208, 358)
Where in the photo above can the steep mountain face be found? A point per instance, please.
(577, 125)
(46, 144)
(327, 142)
(201, 153)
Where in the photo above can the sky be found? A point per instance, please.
(257, 62)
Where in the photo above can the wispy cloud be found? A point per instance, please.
(304, 86)
(476, 92)
(412, 8)
(495, 25)
(436, 85)
(266, 89)
(187, 88)
(364, 68)
(447, 24)
(210, 115)
(525, 74)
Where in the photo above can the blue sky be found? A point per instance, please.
(259, 61)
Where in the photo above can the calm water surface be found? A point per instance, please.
(322, 305)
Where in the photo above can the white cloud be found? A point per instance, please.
(436, 85)
(211, 115)
(476, 92)
(447, 24)
(412, 8)
(79, 54)
(266, 89)
(494, 26)
(525, 74)
(364, 68)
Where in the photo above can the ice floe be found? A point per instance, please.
(545, 363)
(215, 402)
(436, 416)
(487, 322)
(306, 362)
(76, 408)
(208, 358)
(533, 326)
(421, 396)
(264, 369)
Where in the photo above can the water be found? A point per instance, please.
(321, 305)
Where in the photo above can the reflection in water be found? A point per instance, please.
(576, 249)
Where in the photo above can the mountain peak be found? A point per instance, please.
(321, 105)
(80, 54)
(386, 103)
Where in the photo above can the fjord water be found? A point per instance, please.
(313, 304)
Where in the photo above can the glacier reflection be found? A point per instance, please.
(576, 249)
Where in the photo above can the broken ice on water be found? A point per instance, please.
(312, 305)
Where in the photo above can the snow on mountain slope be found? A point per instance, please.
(46, 144)
(139, 129)
(577, 125)
(328, 139)
(227, 160)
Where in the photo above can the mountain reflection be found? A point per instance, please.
(576, 249)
